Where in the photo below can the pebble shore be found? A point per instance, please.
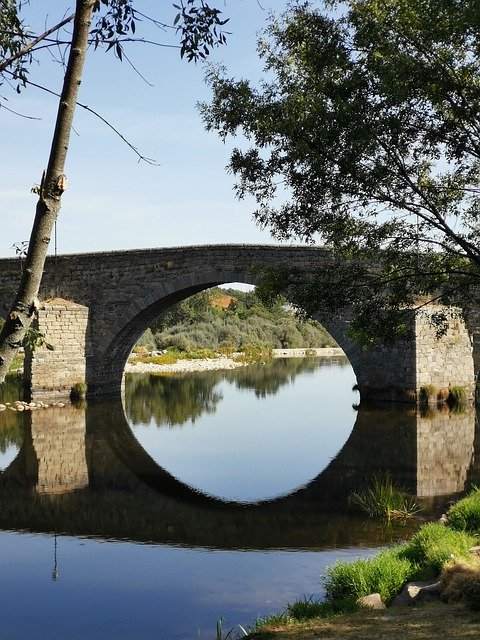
(20, 405)
(222, 362)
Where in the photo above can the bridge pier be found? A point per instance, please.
(52, 373)
(399, 371)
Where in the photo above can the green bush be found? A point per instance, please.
(434, 545)
(385, 573)
(198, 323)
(465, 514)
(147, 340)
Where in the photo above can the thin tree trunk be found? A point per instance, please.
(52, 186)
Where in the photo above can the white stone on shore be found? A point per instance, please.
(223, 362)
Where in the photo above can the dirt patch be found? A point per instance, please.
(433, 621)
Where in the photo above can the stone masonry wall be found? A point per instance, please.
(53, 373)
(447, 360)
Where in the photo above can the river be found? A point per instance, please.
(221, 494)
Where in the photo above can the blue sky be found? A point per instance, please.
(114, 202)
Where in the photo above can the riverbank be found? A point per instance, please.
(426, 588)
(431, 621)
(224, 362)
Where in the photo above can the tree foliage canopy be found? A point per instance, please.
(365, 136)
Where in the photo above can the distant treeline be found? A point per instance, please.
(226, 319)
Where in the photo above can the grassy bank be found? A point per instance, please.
(433, 621)
(435, 552)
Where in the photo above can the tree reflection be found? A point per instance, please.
(11, 429)
(177, 399)
(171, 400)
(267, 379)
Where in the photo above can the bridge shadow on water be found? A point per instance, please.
(80, 471)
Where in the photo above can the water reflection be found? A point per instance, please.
(81, 477)
(11, 427)
(269, 433)
(171, 400)
(91, 477)
(176, 399)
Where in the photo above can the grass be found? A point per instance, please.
(385, 573)
(382, 499)
(465, 514)
(433, 546)
(231, 634)
(78, 392)
(427, 392)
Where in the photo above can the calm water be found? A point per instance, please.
(210, 495)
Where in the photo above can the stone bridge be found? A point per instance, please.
(95, 306)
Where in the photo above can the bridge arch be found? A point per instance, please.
(119, 340)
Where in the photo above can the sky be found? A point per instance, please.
(114, 202)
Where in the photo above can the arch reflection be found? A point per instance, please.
(113, 489)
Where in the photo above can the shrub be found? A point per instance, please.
(199, 354)
(465, 514)
(385, 574)
(473, 595)
(78, 392)
(169, 341)
(434, 545)
(146, 341)
(428, 392)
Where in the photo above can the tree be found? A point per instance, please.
(200, 28)
(365, 136)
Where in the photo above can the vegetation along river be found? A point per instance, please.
(209, 494)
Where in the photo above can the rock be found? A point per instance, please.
(373, 601)
(416, 592)
(443, 518)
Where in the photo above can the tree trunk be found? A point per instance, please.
(52, 186)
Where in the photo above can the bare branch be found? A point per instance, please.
(141, 158)
(6, 63)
